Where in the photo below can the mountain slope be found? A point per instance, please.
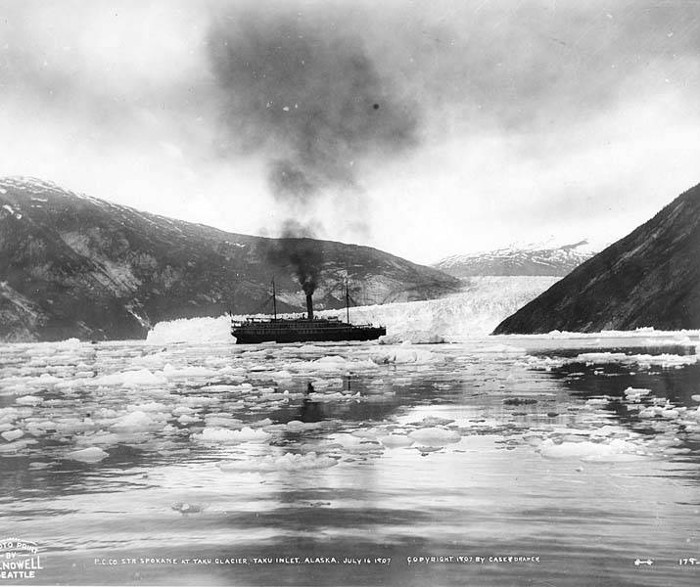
(649, 278)
(536, 260)
(75, 266)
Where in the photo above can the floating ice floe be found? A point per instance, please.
(68, 426)
(140, 378)
(644, 361)
(332, 361)
(504, 349)
(666, 410)
(403, 355)
(286, 462)
(99, 438)
(616, 450)
(635, 395)
(182, 410)
(435, 436)
(415, 337)
(191, 372)
(92, 454)
(9, 414)
(11, 435)
(395, 440)
(223, 421)
(433, 421)
(299, 426)
(17, 445)
(150, 407)
(187, 508)
(138, 421)
(328, 383)
(225, 435)
(29, 400)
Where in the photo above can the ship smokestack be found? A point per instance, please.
(309, 306)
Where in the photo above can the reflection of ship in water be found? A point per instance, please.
(314, 406)
(309, 329)
(310, 411)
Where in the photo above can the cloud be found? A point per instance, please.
(299, 87)
(316, 106)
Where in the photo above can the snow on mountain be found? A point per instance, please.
(650, 278)
(471, 313)
(544, 259)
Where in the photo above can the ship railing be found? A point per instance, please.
(252, 321)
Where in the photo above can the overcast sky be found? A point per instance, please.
(421, 128)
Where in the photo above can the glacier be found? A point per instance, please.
(473, 312)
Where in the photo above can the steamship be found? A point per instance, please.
(309, 329)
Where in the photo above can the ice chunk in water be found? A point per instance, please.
(189, 372)
(667, 411)
(92, 454)
(150, 407)
(182, 410)
(413, 337)
(215, 434)
(332, 361)
(615, 450)
(395, 440)
(143, 377)
(11, 435)
(8, 415)
(299, 426)
(433, 421)
(136, 421)
(187, 508)
(286, 462)
(223, 421)
(635, 394)
(435, 436)
(29, 400)
(98, 438)
(403, 355)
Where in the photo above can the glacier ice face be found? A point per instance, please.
(469, 314)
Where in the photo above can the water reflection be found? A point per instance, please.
(311, 411)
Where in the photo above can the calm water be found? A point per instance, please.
(129, 463)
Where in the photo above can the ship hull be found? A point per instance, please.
(304, 331)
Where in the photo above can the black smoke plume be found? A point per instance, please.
(297, 250)
(301, 88)
(304, 90)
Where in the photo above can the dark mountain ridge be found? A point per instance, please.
(76, 266)
(650, 278)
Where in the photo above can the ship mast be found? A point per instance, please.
(347, 302)
(274, 300)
